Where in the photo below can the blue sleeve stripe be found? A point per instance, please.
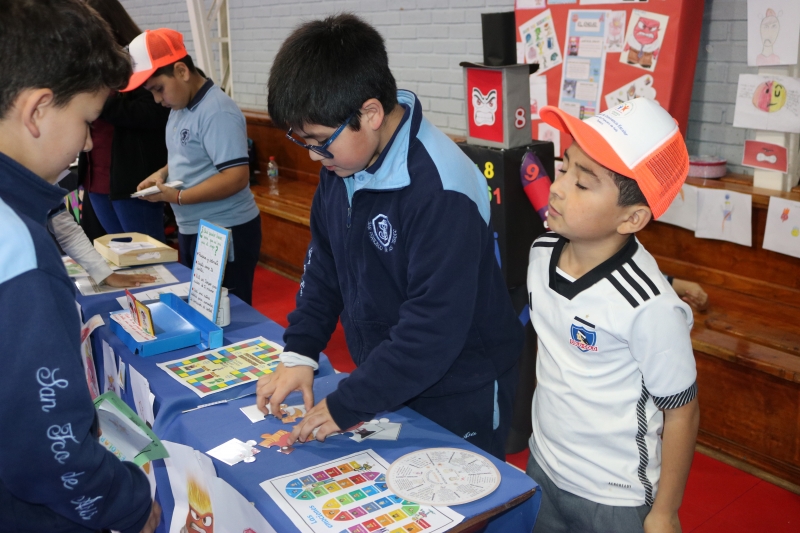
(17, 251)
(233, 163)
(457, 172)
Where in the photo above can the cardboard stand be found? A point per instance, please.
(177, 326)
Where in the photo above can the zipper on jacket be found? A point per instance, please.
(349, 214)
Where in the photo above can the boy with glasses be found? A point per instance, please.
(401, 249)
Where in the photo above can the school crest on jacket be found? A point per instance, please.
(381, 233)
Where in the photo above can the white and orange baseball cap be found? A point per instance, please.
(152, 50)
(638, 139)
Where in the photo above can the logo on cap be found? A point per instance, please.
(624, 109)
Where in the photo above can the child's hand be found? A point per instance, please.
(156, 178)
(319, 419)
(656, 522)
(691, 293)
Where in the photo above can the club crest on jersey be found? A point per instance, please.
(381, 233)
(583, 339)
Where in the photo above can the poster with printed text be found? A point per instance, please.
(725, 216)
(584, 63)
(350, 494)
(767, 103)
(540, 43)
(782, 233)
(643, 39)
(773, 30)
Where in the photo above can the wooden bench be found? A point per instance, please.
(747, 345)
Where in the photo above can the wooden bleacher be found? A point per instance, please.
(747, 345)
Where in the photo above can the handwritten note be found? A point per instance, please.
(209, 267)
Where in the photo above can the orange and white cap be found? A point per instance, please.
(152, 50)
(638, 139)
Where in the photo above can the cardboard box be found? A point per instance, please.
(146, 256)
(514, 221)
(498, 105)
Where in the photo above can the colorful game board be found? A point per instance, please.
(350, 495)
(226, 367)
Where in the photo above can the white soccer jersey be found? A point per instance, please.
(614, 349)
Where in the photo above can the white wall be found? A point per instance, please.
(426, 40)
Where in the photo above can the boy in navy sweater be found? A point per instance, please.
(401, 249)
(58, 61)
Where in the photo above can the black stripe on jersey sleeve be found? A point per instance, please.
(544, 244)
(676, 400)
(632, 282)
(641, 274)
(622, 290)
(585, 323)
(233, 163)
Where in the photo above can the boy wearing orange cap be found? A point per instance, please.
(615, 412)
(207, 151)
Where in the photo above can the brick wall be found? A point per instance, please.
(722, 57)
(426, 40)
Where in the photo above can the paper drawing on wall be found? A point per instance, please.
(727, 210)
(782, 232)
(485, 106)
(768, 103)
(540, 43)
(644, 38)
(640, 87)
(772, 32)
(615, 36)
(724, 215)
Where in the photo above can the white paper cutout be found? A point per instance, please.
(546, 132)
(640, 87)
(538, 86)
(782, 233)
(541, 44)
(724, 215)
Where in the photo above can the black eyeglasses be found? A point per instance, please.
(323, 148)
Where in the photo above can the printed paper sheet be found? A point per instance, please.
(615, 34)
(767, 103)
(773, 29)
(226, 367)
(350, 494)
(640, 87)
(541, 44)
(584, 63)
(782, 233)
(538, 86)
(724, 215)
(88, 286)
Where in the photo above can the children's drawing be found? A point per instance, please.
(768, 103)
(782, 233)
(200, 518)
(538, 37)
(772, 32)
(615, 36)
(683, 210)
(724, 215)
(644, 38)
(538, 86)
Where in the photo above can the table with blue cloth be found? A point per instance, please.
(171, 397)
(512, 507)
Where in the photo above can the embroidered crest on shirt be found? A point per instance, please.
(583, 337)
(184, 136)
(381, 233)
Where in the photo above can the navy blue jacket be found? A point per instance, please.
(404, 252)
(54, 474)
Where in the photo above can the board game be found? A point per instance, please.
(350, 495)
(226, 367)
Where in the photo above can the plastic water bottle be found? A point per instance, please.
(272, 169)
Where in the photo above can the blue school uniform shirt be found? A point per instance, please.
(203, 139)
(404, 252)
(54, 474)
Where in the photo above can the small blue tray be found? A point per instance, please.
(177, 325)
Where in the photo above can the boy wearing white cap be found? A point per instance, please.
(615, 412)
